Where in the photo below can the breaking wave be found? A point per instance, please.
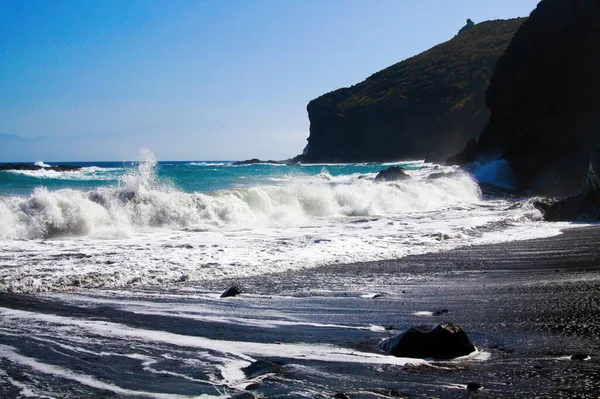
(141, 201)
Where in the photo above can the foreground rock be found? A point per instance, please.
(446, 341)
(544, 98)
(261, 367)
(393, 173)
(231, 291)
(585, 206)
(24, 166)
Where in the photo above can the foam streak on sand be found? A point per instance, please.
(70, 335)
(241, 350)
(11, 355)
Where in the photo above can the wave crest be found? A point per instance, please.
(141, 201)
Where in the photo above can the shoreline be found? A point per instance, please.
(526, 305)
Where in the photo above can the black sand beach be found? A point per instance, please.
(527, 306)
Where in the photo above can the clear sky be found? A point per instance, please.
(198, 79)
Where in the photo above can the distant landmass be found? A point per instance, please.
(427, 106)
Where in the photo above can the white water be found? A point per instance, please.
(142, 232)
(89, 173)
(140, 203)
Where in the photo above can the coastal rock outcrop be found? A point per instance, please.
(466, 156)
(261, 367)
(254, 161)
(26, 166)
(393, 173)
(585, 206)
(446, 341)
(544, 98)
(427, 106)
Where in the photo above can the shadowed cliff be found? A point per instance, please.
(545, 98)
(427, 106)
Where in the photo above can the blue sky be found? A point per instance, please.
(202, 79)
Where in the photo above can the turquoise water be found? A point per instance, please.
(186, 176)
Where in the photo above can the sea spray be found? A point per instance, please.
(141, 201)
(497, 173)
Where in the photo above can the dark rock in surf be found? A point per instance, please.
(446, 341)
(247, 162)
(466, 156)
(231, 291)
(441, 312)
(585, 206)
(393, 173)
(261, 367)
(439, 175)
(341, 395)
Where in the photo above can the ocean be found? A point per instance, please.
(149, 223)
(110, 277)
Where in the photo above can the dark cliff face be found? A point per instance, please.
(425, 107)
(545, 97)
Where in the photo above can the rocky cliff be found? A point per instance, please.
(545, 98)
(425, 107)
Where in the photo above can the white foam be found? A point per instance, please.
(140, 202)
(423, 313)
(209, 163)
(143, 231)
(9, 353)
(241, 350)
(88, 173)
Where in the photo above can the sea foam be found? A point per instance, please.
(141, 201)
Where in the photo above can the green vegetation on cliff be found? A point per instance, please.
(429, 105)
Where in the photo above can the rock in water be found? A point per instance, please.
(24, 166)
(231, 291)
(585, 206)
(392, 173)
(260, 367)
(255, 161)
(446, 341)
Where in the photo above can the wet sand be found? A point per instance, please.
(527, 306)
